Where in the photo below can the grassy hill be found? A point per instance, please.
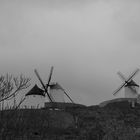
(116, 120)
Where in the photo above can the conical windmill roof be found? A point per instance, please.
(56, 86)
(131, 83)
(35, 91)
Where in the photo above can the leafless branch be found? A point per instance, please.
(21, 101)
(10, 86)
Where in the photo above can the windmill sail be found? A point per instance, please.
(57, 92)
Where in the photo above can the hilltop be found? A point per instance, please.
(111, 120)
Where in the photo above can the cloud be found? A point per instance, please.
(86, 41)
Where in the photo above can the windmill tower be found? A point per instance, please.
(131, 88)
(53, 91)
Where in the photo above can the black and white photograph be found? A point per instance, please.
(69, 69)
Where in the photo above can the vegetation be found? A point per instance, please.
(111, 122)
(11, 85)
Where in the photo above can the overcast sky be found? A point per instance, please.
(87, 42)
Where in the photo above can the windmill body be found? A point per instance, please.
(56, 92)
(35, 98)
(129, 93)
(34, 101)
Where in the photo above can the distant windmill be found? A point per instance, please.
(131, 88)
(52, 90)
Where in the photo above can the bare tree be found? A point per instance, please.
(10, 86)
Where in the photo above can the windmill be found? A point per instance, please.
(51, 90)
(131, 88)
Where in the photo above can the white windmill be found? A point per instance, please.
(53, 91)
(131, 88)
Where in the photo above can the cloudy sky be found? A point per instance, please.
(87, 42)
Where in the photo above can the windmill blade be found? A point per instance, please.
(50, 76)
(46, 91)
(122, 76)
(38, 76)
(68, 96)
(117, 90)
(132, 75)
